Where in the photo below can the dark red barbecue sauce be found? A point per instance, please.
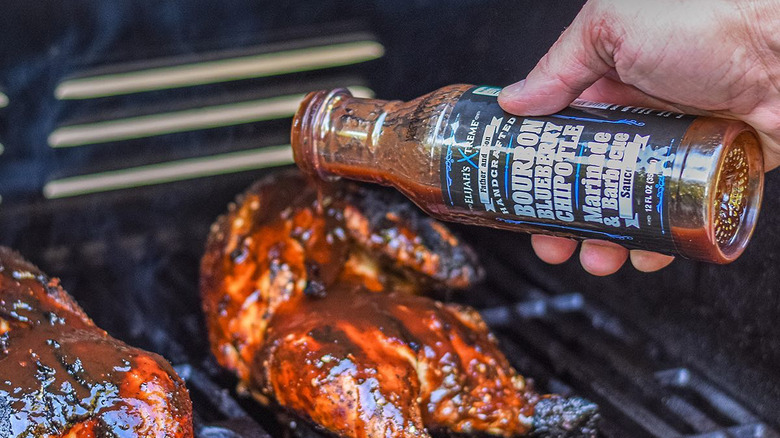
(61, 374)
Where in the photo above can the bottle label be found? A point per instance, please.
(593, 170)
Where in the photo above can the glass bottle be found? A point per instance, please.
(643, 178)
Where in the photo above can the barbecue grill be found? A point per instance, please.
(126, 128)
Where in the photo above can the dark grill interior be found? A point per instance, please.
(566, 341)
(691, 351)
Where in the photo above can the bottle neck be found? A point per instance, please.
(337, 135)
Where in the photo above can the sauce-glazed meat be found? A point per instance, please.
(316, 309)
(61, 376)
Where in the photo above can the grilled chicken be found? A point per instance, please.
(61, 376)
(313, 301)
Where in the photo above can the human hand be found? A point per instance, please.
(706, 57)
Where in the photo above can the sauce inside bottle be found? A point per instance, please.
(643, 178)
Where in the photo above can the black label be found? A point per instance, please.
(593, 170)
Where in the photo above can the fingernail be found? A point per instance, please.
(512, 91)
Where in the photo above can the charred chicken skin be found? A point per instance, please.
(61, 376)
(313, 301)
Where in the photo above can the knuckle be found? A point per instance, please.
(606, 22)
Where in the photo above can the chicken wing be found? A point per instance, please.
(61, 376)
(313, 300)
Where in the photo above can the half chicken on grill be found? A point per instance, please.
(314, 302)
(62, 376)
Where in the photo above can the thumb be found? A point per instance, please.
(572, 64)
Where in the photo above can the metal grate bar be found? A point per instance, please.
(725, 405)
(219, 397)
(758, 430)
(222, 70)
(192, 119)
(234, 422)
(180, 170)
(589, 375)
(637, 369)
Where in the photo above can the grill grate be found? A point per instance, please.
(141, 286)
(565, 342)
(217, 413)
